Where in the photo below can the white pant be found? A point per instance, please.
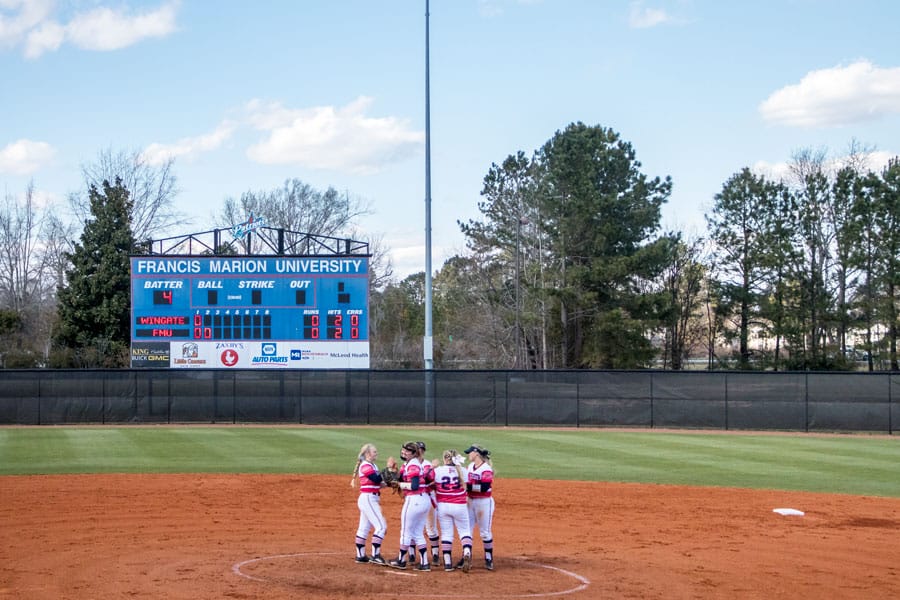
(370, 516)
(431, 522)
(412, 521)
(481, 513)
(452, 515)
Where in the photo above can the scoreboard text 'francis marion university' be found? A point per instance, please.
(250, 312)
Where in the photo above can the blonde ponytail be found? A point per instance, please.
(359, 460)
(452, 457)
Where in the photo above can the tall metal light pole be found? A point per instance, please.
(518, 233)
(519, 222)
(428, 341)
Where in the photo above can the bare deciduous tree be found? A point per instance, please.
(296, 206)
(151, 187)
(33, 243)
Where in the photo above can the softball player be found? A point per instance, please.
(415, 509)
(431, 524)
(450, 490)
(369, 503)
(481, 501)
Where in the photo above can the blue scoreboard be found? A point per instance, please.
(249, 312)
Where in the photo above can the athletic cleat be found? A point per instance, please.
(489, 565)
(467, 563)
(424, 567)
(397, 564)
(378, 560)
(435, 560)
(362, 559)
(449, 567)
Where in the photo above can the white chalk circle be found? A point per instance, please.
(582, 582)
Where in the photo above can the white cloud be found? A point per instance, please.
(32, 24)
(47, 37)
(642, 18)
(189, 147)
(878, 161)
(489, 8)
(409, 257)
(18, 17)
(328, 137)
(772, 171)
(44, 199)
(106, 29)
(874, 161)
(23, 157)
(494, 8)
(837, 96)
(41, 199)
(408, 260)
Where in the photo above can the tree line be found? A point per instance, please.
(567, 267)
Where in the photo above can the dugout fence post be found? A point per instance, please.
(435, 397)
(233, 398)
(299, 408)
(369, 397)
(506, 400)
(215, 398)
(577, 399)
(806, 402)
(726, 403)
(891, 405)
(134, 395)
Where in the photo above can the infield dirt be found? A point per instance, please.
(276, 536)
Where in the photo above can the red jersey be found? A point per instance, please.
(414, 468)
(366, 485)
(447, 485)
(428, 470)
(482, 474)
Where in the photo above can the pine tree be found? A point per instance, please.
(94, 301)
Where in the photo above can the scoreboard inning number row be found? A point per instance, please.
(254, 327)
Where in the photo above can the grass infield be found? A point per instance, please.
(847, 464)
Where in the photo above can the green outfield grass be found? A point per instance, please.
(849, 464)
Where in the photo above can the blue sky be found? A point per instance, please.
(247, 94)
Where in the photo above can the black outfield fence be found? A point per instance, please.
(690, 399)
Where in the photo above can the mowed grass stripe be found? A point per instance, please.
(846, 464)
(35, 451)
(760, 462)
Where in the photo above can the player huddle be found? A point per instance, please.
(439, 497)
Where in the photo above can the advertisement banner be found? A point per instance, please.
(269, 355)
